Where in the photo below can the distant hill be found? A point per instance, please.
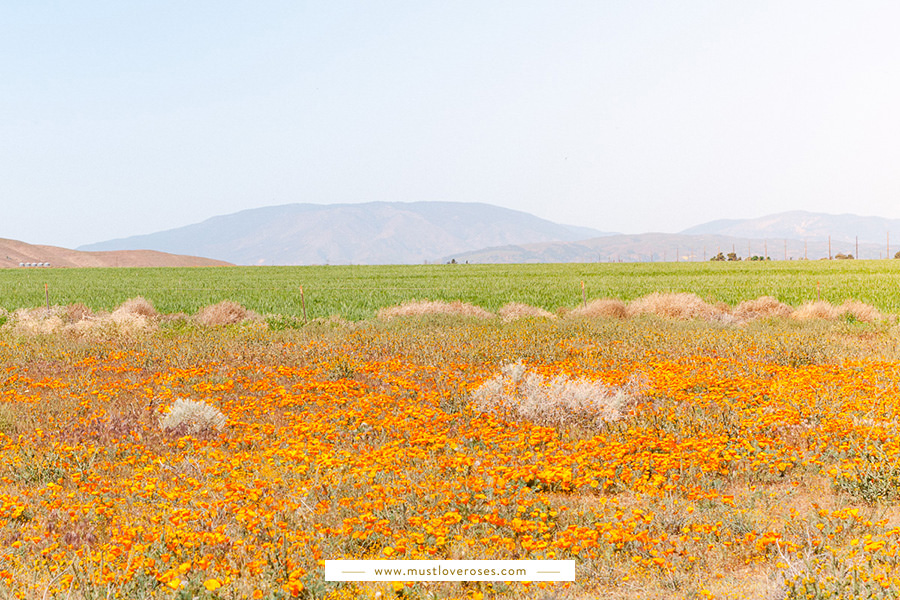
(660, 247)
(795, 234)
(802, 225)
(13, 252)
(370, 233)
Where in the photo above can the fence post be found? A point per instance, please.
(47, 295)
(583, 295)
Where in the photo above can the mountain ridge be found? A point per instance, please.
(416, 232)
(367, 233)
(803, 225)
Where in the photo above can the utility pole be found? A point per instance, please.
(785, 249)
(829, 247)
(765, 249)
(856, 256)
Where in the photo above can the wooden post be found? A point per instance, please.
(818, 292)
(829, 247)
(583, 296)
(856, 256)
(47, 295)
(303, 303)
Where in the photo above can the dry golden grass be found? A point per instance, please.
(764, 307)
(513, 311)
(861, 311)
(675, 306)
(816, 310)
(137, 306)
(416, 308)
(37, 321)
(78, 312)
(224, 313)
(822, 309)
(602, 308)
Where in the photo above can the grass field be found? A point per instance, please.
(357, 292)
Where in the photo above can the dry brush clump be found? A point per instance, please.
(37, 321)
(861, 311)
(416, 308)
(822, 309)
(131, 316)
(764, 307)
(139, 306)
(191, 417)
(513, 311)
(559, 402)
(677, 306)
(78, 312)
(224, 313)
(602, 308)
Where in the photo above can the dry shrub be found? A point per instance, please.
(224, 313)
(676, 306)
(764, 307)
(132, 316)
(602, 308)
(78, 312)
(37, 321)
(516, 310)
(860, 311)
(437, 307)
(816, 310)
(137, 306)
(559, 402)
(126, 322)
(190, 417)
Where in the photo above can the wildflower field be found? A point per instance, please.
(716, 452)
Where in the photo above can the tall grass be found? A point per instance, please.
(358, 292)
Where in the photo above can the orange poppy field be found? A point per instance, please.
(713, 460)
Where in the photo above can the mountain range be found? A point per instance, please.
(370, 233)
(413, 233)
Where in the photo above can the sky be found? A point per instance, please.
(123, 118)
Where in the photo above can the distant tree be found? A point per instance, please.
(897, 255)
(721, 257)
(841, 256)
(733, 256)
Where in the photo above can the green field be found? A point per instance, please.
(356, 292)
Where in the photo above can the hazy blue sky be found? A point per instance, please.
(119, 118)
